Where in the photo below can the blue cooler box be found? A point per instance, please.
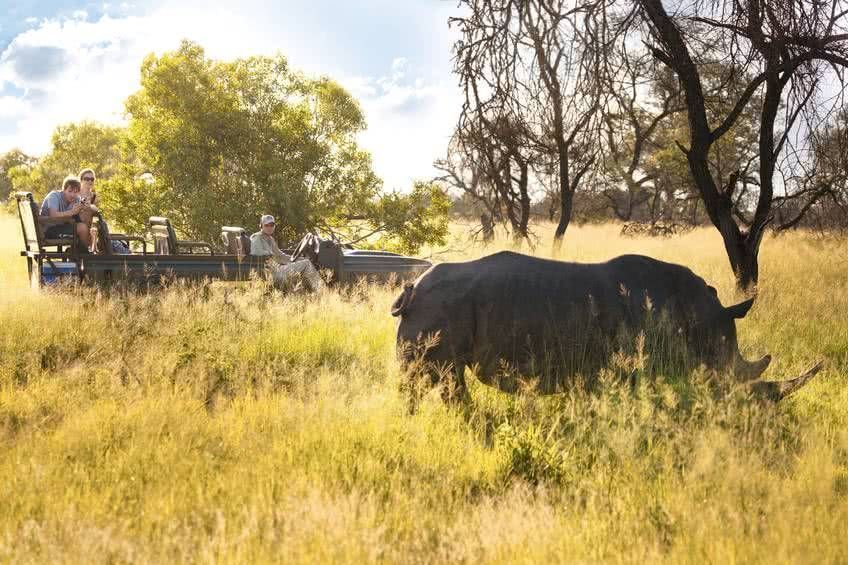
(64, 271)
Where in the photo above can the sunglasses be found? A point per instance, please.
(88, 179)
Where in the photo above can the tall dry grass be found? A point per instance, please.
(213, 423)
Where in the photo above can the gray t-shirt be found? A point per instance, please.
(55, 201)
(262, 245)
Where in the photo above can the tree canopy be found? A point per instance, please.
(211, 143)
(73, 147)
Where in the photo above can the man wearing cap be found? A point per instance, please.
(262, 244)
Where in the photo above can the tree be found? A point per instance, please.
(819, 193)
(462, 175)
(630, 127)
(530, 64)
(73, 147)
(735, 153)
(780, 50)
(427, 202)
(213, 143)
(494, 147)
(8, 161)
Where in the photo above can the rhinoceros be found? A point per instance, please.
(510, 314)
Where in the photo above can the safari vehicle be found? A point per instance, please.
(166, 256)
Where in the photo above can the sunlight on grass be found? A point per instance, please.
(233, 424)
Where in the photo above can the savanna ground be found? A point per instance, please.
(195, 424)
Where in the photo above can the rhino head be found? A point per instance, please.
(723, 349)
(743, 369)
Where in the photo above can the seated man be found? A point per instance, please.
(262, 244)
(65, 203)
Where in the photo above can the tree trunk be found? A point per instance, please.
(742, 248)
(524, 200)
(566, 207)
(747, 270)
(743, 252)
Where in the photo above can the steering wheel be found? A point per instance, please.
(308, 248)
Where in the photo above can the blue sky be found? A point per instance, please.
(64, 61)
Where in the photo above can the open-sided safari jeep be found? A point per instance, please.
(48, 260)
(343, 262)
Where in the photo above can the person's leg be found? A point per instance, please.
(83, 234)
(280, 275)
(309, 273)
(62, 231)
(85, 216)
(283, 274)
(58, 230)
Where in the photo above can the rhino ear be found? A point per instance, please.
(738, 311)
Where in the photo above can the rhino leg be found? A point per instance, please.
(454, 389)
(449, 376)
(431, 361)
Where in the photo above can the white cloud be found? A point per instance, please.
(69, 71)
(11, 106)
(75, 69)
(409, 122)
(399, 63)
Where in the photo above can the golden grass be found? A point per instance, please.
(185, 425)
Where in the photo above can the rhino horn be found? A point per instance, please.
(740, 310)
(748, 370)
(778, 390)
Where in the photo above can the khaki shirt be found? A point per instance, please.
(262, 245)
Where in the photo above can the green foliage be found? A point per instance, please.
(73, 148)
(530, 453)
(409, 220)
(222, 142)
(13, 159)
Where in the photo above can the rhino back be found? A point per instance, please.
(661, 286)
(532, 312)
(528, 311)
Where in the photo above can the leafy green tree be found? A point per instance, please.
(427, 202)
(732, 158)
(213, 143)
(10, 160)
(73, 147)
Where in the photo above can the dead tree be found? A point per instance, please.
(461, 173)
(494, 144)
(820, 185)
(784, 47)
(533, 61)
(630, 120)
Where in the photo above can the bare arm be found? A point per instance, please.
(67, 213)
(279, 256)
